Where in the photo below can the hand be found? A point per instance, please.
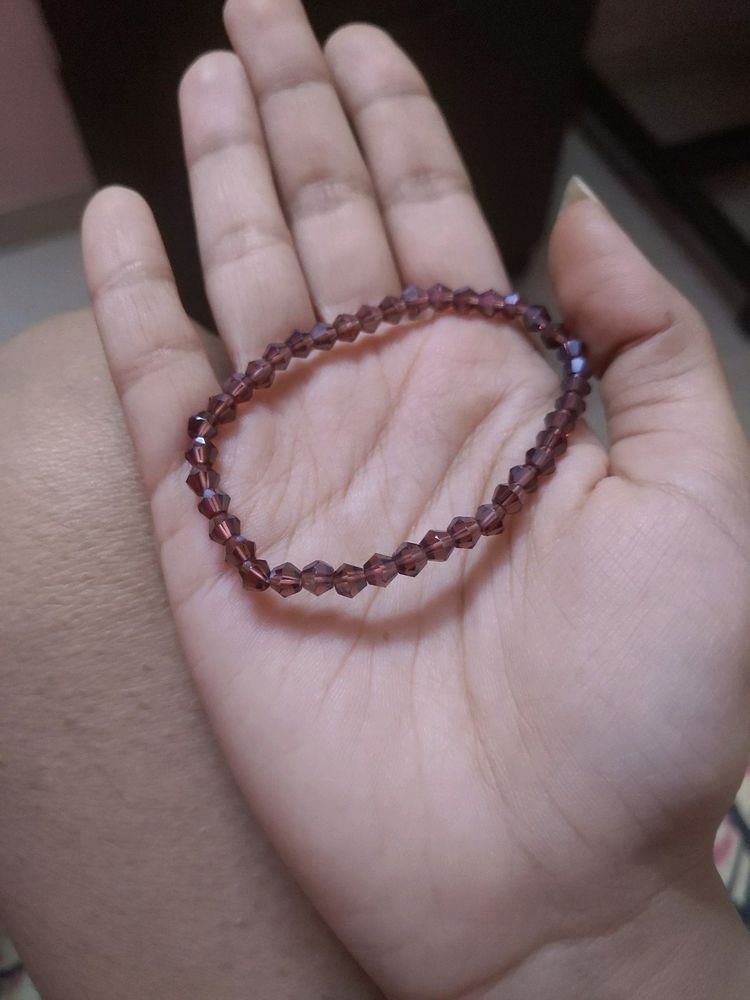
(532, 743)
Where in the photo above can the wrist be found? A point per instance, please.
(686, 942)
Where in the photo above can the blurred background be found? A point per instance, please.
(647, 100)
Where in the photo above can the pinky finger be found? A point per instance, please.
(156, 359)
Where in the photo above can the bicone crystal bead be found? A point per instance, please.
(199, 480)
(465, 532)
(416, 300)
(223, 406)
(536, 318)
(490, 303)
(221, 527)
(300, 343)
(202, 425)
(507, 497)
(554, 439)
(440, 297)
(278, 356)
(317, 577)
(260, 374)
(564, 420)
(393, 309)
(380, 570)
(370, 318)
(285, 579)
(542, 459)
(410, 559)
(576, 383)
(571, 401)
(437, 545)
(202, 454)
(525, 476)
(256, 574)
(513, 305)
(553, 335)
(238, 550)
(347, 327)
(464, 300)
(238, 387)
(323, 336)
(490, 519)
(349, 580)
(212, 503)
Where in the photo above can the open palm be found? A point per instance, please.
(452, 765)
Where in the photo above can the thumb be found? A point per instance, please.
(669, 414)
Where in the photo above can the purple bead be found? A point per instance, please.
(238, 387)
(552, 438)
(323, 336)
(380, 570)
(317, 577)
(285, 579)
(508, 498)
(554, 335)
(465, 532)
(437, 545)
(347, 327)
(393, 309)
(202, 425)
(490, 303)
(576, 383)
(571, 401)
(577, 366)
(223, 407)
(239, 550)
(202, 454)
(370, 318)
(299, 343)
(536, 318)
(571, 348)
(525, 476)
(256, 574)
(260, 374)
(564, 420)
(213, 503)
(542, 459)
(416, 300)
(464, 300)
(199, 480)
(490, 519)
(278, 356)
(513, 305)
(349, 580)
(440, 297)
(222, 527)
(410, 559)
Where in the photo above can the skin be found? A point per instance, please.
(129, 864)
(500, 780)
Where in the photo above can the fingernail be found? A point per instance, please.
(576, 190)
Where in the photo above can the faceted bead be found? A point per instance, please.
(202, 453)
(256, 574)
(239, 550)
(286, 579)
(410, 559)
(571, 348)
(260, 374)
(222, 527)
(542, 459)
(576, 383)
(536, 318)
(415, 299)
(577, 366)
(349, 580)
(525, 476)
(238, 387)
(347, 327)
(565, 420)
(440, 297)
(380, 570)
(278, 356)
(223, 407)
(199, 479)
(465, 532)
(464, 300)
(508, 498)
(299, 343)
(554, 335)
(490, 519)
(571, 401)
(323, 336)
(370, 318)
(393, 309)
(490, 302)
(554, 439)
(202, 425)
(513, 305)
(437, 545)
(212, 503)
(317, 577)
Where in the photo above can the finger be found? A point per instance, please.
(324, 184)
(670, 417)
(435, 225)
(155, 356)
(254, 281)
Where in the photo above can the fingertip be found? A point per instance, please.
(207, 73)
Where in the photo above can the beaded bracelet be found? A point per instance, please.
(410, 558)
